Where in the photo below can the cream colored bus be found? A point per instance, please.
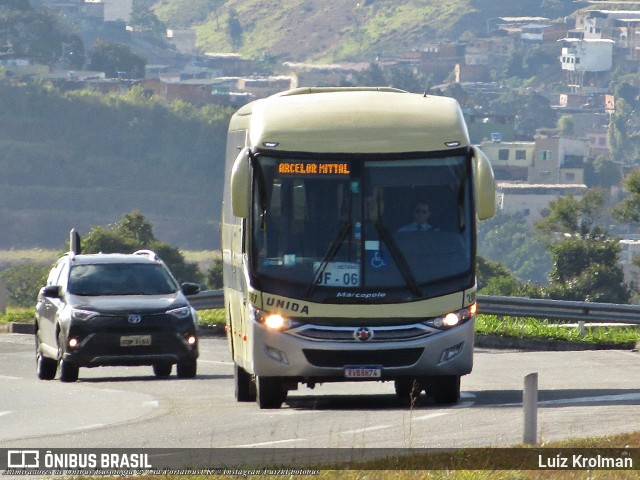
(332, 269)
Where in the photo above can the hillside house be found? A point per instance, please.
(537, 33)
(598, 141)
(261, 87)
(587, 55)
(532, 199)
(510, 160)
(115, 10)
(219, 91)
(440, 59)
(490, 51)
(558, 159)
(320, 75)
(183, 39)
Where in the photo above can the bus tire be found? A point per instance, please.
(270, 392)
(408, 390)
(245, 390)
(445, 390)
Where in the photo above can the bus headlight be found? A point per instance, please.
(274, 321)
(452, 319)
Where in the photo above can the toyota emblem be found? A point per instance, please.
(134, 319)
(363, 334)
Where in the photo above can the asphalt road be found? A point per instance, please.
(581, 394)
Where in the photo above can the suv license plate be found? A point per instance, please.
(362, 372)
(135, 340)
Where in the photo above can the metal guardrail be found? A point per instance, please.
(588, 312)
(207, 299)
(565, 310)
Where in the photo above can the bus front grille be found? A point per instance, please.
(386, 358)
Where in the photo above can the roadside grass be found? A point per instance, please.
(545, 330)
(387, 468)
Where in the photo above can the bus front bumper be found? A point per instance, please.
(282, 354)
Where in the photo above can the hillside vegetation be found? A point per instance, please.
(342, 29)
(82, 159)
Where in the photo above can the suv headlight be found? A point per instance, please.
(79, 314)
(452, 319)
(182, 312)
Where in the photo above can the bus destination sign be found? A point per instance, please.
(313, 168)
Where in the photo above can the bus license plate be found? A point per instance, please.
(362, 372)
(135, 340)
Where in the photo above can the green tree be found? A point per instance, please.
(112, 58)
(234, 30)
(586, 264)
(508, 240)
(23, 282)
(602, 172)
(372, 76)
(628, 210)
(29, 33)
(532, 111)
(214, 275)
(133, 232)
(567, 125)
(569, 216)
(625, 143)
(145, 20)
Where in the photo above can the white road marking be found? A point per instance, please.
(88, 427)
(264, 444)
(602, 398)
(428, 417)
(366, 429)
(216, 362)
(2, 414)
(568, 401)
(151, 403)
(7, 377)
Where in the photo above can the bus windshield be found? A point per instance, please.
(354, 225)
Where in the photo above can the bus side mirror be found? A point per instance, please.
(484, 184)
(241, 184)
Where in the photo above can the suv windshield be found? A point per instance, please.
(120, 279)
(358, 224)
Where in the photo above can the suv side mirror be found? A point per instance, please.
(51, 291)
(190, 288)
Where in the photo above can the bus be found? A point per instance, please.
(323, 281)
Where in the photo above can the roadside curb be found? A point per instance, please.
(499, 342)
(481, 341)
(16, 327)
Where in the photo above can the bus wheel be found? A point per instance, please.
(408, 390)
(445, 390)
(270, 392)
(245, 391)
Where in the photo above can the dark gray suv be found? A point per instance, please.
(114, 309)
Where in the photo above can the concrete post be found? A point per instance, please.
(530, 406)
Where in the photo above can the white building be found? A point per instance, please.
(587, 55)
(115, 10)
(532, 199)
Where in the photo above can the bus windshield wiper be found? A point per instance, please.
(398, 257)
(329, 255)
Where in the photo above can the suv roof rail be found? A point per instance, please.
(149, 253)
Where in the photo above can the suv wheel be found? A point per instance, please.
(46, 368)
(68, 371)
(162, 370)
(187, 369)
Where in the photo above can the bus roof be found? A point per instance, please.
(352, 120)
